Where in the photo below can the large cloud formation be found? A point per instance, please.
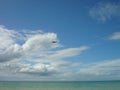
(10, 47)
(32, 55)
(29, 53)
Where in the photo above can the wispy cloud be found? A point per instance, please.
(105, 70)
(69, 52)
(114, 36)
(105, 11)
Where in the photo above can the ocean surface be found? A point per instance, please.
(96, 85)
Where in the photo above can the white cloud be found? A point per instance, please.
(105, 11)
(104, 70)
(41, 42)
(115, 36)
(37, 59)
(38, 69)
(11, 48)
(32, 55)
(6, 37)
(12, 52)
(60, 69)
(65, 53)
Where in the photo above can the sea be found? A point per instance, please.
(61, 85)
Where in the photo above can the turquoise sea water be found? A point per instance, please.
(102, 85)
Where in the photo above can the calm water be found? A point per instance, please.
(111, 85)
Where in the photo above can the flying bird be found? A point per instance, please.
(54, 41)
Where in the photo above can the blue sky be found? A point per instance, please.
(87, 34)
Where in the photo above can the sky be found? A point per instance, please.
(59, 40)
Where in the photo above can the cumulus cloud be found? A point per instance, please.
(11, 48)
(24, 54)
(6, 37)
(40, 70)
(115, 36)
(33, 56)
(105, 11)
(104, 70)
(11, 53)
(41, 42)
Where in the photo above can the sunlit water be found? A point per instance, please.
(106, 85)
